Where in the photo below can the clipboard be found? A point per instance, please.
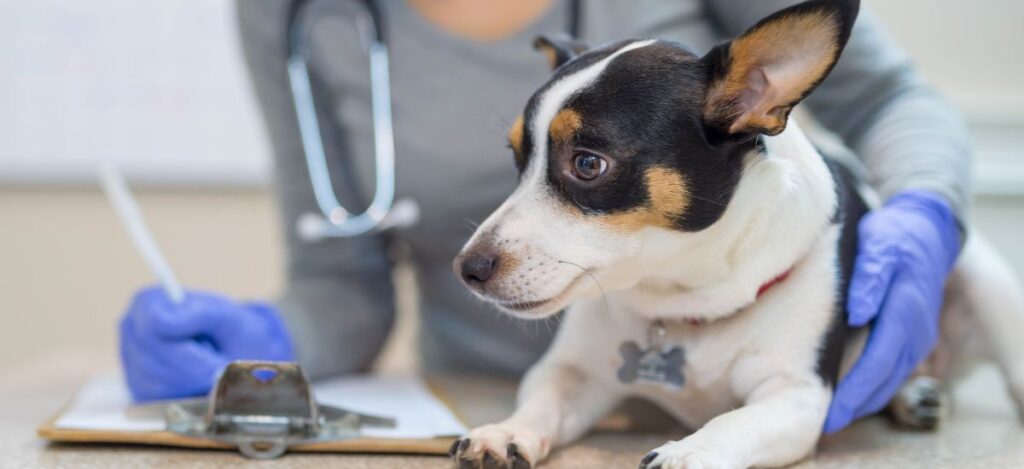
(262, 418)
(434, 446)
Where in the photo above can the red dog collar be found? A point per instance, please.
(760, 292)
(773, 282)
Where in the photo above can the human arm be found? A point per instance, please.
(337, 307)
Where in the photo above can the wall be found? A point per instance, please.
(68, 270)
(968, 50)
(159, 87)
(178, 115)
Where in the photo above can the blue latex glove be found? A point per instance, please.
(176, 350)
(906, 250)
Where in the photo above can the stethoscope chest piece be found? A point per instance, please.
(404, 213)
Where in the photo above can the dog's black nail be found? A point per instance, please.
(516, 460)
(461, 452)
(647, 460)
(930, 399)
(491, 462)
(454, 448)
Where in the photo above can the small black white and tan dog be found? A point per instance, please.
(701, 245)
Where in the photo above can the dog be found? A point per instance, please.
(702, 245)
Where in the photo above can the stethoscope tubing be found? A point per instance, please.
(382, 213)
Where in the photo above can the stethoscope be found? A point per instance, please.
(383, 212)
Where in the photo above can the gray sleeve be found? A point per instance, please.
(905, 133)
(339, 301)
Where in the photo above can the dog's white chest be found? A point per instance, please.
(706, 391)
(701, 355)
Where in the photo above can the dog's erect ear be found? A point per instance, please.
(757, 78)
(559, 49)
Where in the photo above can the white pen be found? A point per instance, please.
(131, 217)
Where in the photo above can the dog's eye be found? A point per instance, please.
(588, 166)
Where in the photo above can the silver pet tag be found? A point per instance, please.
(656, 364)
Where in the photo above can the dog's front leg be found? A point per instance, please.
(557, 403)
(779, 425)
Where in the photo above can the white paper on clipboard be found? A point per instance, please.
(104, 404)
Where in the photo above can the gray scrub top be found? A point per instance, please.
(453, 101)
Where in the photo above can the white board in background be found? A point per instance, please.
(157, 86)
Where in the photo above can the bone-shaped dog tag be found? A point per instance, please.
(653, 364)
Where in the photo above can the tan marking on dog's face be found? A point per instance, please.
(515, 140)
(771, 68)
(565, 125)
(515, 135)
(668, 193)
(668, 198)
(508, 262)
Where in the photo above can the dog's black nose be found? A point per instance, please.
(478, 267)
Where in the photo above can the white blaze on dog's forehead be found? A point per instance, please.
(555, 97)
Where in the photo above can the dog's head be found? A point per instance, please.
(636, 140)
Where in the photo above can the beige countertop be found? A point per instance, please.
(983, 433)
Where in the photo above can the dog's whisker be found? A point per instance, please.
(558, 319)
(604, 297)
(501, 118)
(547, 325)
(710, 201)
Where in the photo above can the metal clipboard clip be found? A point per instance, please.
(264, 408)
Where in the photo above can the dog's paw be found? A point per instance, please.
(920, 404)
(684, 455)
(499, 446)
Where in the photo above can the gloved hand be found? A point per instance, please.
(176, 350)
(906, 250)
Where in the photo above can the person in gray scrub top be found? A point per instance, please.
(461, 70)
